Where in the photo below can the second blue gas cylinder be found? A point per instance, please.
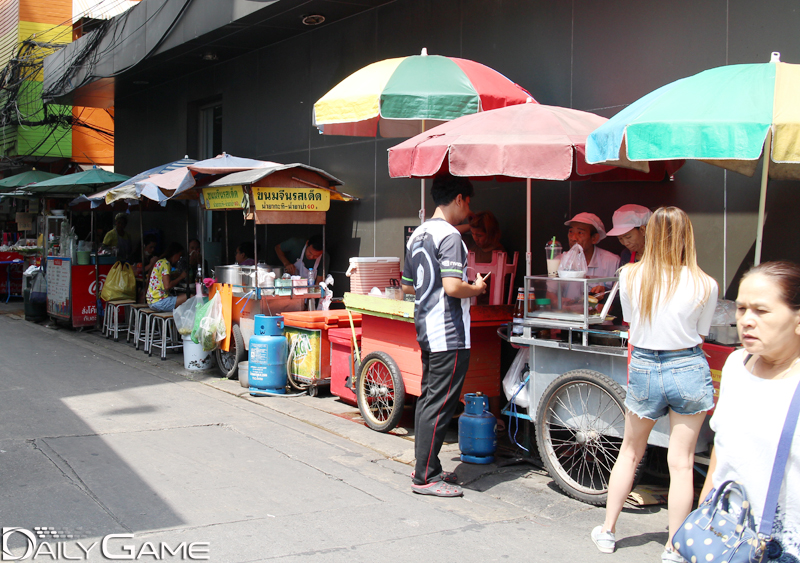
(477, 439)
(268, 352)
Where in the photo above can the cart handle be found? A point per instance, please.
(355, 340)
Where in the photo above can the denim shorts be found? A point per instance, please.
(661, 380)
(165, 305)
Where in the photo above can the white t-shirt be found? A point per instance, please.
(676, 323)
(748, 421)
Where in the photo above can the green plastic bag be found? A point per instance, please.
(211, 328)
(198, 316)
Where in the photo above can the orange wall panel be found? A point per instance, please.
(56, 12)
(89, 146)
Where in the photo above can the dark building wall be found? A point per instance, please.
(593, 56)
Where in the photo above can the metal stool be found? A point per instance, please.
(168, 331)
(111, 316)
(133, 316)
(141, 329)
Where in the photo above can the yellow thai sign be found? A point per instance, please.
(291, 199)
(229, 197)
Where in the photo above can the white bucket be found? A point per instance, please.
(194, 358)
(244, 377)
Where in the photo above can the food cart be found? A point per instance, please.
(276, 194)
(577, 382)
(391, 363)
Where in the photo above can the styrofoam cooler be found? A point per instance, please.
(366, 273)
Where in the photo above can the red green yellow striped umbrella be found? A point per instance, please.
(404, 96)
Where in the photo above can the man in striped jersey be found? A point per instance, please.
(435, 272)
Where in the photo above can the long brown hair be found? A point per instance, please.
(669, 245)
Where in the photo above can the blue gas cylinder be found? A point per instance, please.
(476, 430)
(268, 351)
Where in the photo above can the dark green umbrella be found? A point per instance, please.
(25, 178)
(80, 182)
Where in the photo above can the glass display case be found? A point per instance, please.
(557, 302)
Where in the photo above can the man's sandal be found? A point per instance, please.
(447, 476)
(438, 489)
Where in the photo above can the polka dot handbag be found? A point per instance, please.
(714, 533)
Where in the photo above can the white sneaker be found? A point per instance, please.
(605, 541)
(670, 556)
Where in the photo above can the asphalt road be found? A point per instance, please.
(98, 439)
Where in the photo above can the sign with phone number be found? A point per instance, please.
(291, 199)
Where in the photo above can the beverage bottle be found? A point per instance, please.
(519, 312)
(312, 276)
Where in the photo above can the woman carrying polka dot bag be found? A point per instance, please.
(755, 422)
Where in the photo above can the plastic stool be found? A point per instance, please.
(111, 317)
(168, 332)
(133, 317)
(142, 326)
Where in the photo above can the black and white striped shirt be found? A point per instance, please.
(436, 251)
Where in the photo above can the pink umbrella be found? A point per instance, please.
(530, 141)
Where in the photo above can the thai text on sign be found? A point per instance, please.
(291, 199)
(229, 197)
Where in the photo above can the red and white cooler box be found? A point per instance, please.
(366, 273)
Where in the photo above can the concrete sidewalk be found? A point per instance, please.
(136, 444)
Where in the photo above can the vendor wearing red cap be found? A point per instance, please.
(629, 226)
(586, 229)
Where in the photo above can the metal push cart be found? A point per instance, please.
(391, 365)
(577, 384)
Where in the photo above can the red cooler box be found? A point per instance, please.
(717, 355)
(343, 362)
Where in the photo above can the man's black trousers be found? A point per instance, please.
(443, 376)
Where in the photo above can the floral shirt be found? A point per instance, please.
(155, 289)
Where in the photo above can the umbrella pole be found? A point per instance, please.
(422, 200)
(422, 190)
(255, 237)
(225, 213)
(97, 290)
(528, 228)
(762, 201)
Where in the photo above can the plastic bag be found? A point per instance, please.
(724, 313)
(184, 314)
(574, 260)
(39, 288)
(211, 328)
(327, 294)
(120, 283)
(515, 380)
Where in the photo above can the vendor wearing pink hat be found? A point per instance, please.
(586, 229)
(629, 226)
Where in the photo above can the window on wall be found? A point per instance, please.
(209, 130)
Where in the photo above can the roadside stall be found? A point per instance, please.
(577, 365)
(72, 281)
(270, 194)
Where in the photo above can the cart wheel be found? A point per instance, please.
(579, 426)
(228, 362)
(313, 391)
(380, 392)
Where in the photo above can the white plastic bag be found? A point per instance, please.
(185, 312)
(574, 260)
(515, 380)
(327, 294)
(39, 288)
(212, 326)
(724, 313)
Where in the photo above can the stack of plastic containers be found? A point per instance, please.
(366, 273)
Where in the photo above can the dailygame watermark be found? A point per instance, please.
(45, 543)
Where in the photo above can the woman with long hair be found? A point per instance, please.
(669, 302)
